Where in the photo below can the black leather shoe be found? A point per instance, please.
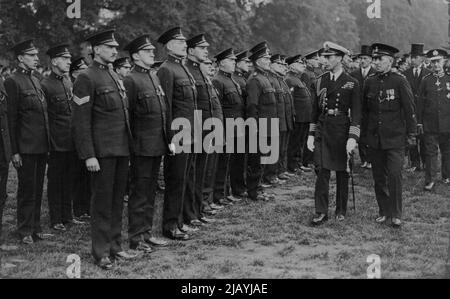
(105, 263)
(429, 187)
(188, 229)
(156, 242)
(176, 234)
(396, 223)
(319, 219)
(142, 247)
(381, 219)
(207, 220)
(122, 255)
(196, 223)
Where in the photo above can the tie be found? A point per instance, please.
(416, 73)
(332, 78)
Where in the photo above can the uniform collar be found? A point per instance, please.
(225, 73)
(174, 59)
(238, 73)
(193, 63)
(100, 65)
(56, 76)
(140, 69)
(21, 70)
(261, 71)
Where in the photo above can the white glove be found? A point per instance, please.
(310, 143)
(171, 149)
(351, 145)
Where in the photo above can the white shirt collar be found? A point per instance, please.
(337, 74)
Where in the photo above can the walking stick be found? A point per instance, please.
(350, 164)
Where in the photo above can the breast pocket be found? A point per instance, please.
(145, 101)
(268, 96)
(185, 88)
(30, 100)
(108, 98)
(230, 97)
(59, 104)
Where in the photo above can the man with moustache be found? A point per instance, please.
(233, 106)
(179, 86)
(122, 66)
(303, 107)
(388, 106)
(148, 117)
(29, 132)
(208, 103)
(433, 119)
(361, 75)
(334, 131)
(103, 138)
(63, 160)
(414, 75)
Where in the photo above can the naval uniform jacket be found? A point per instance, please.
(27, 114)
(336, 117)
(58, 92)
(179, 86)
(302, 98)
(262, 101)
(100, 116)
(389, 109)
(148, 113)
(433, 109)
(5, 142)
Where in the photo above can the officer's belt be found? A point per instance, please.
(333, 112)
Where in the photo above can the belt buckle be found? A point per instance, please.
(331, 112)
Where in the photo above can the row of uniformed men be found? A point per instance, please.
(110, 120)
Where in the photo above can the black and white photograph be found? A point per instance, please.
(224, 146)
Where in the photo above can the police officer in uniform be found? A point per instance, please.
(233, 106)
(433, 112)
(179, 87)
(63, 160)
(122, 66)
(414, 75)
(28, 125)
(5, 155)
(334, 131)
(103, 137)
(261, 104)
(281, 72)
(209, 105)
(148, 116)
(82, 198)
(361, 75)
(388, 106)
(303, 107)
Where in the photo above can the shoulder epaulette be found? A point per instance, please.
(321, 75)
(399, 74)
(427, 75)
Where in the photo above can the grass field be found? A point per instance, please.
(267, 240)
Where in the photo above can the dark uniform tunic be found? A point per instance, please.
(208, 103)
(388, 106)
(433, 112)
(102, 131)
(5, 151)
(302, 108)
(148, 120)
(237, 180)
(230, 164)
(336, 117)
(63, 163)
(179, 87)
(290, 121)
(261, 104)
(362, 146)
(271, 170)
(28, 125)
(418, 152)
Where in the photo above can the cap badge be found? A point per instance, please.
(435, 53)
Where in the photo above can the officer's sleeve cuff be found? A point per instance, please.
(354, 132)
